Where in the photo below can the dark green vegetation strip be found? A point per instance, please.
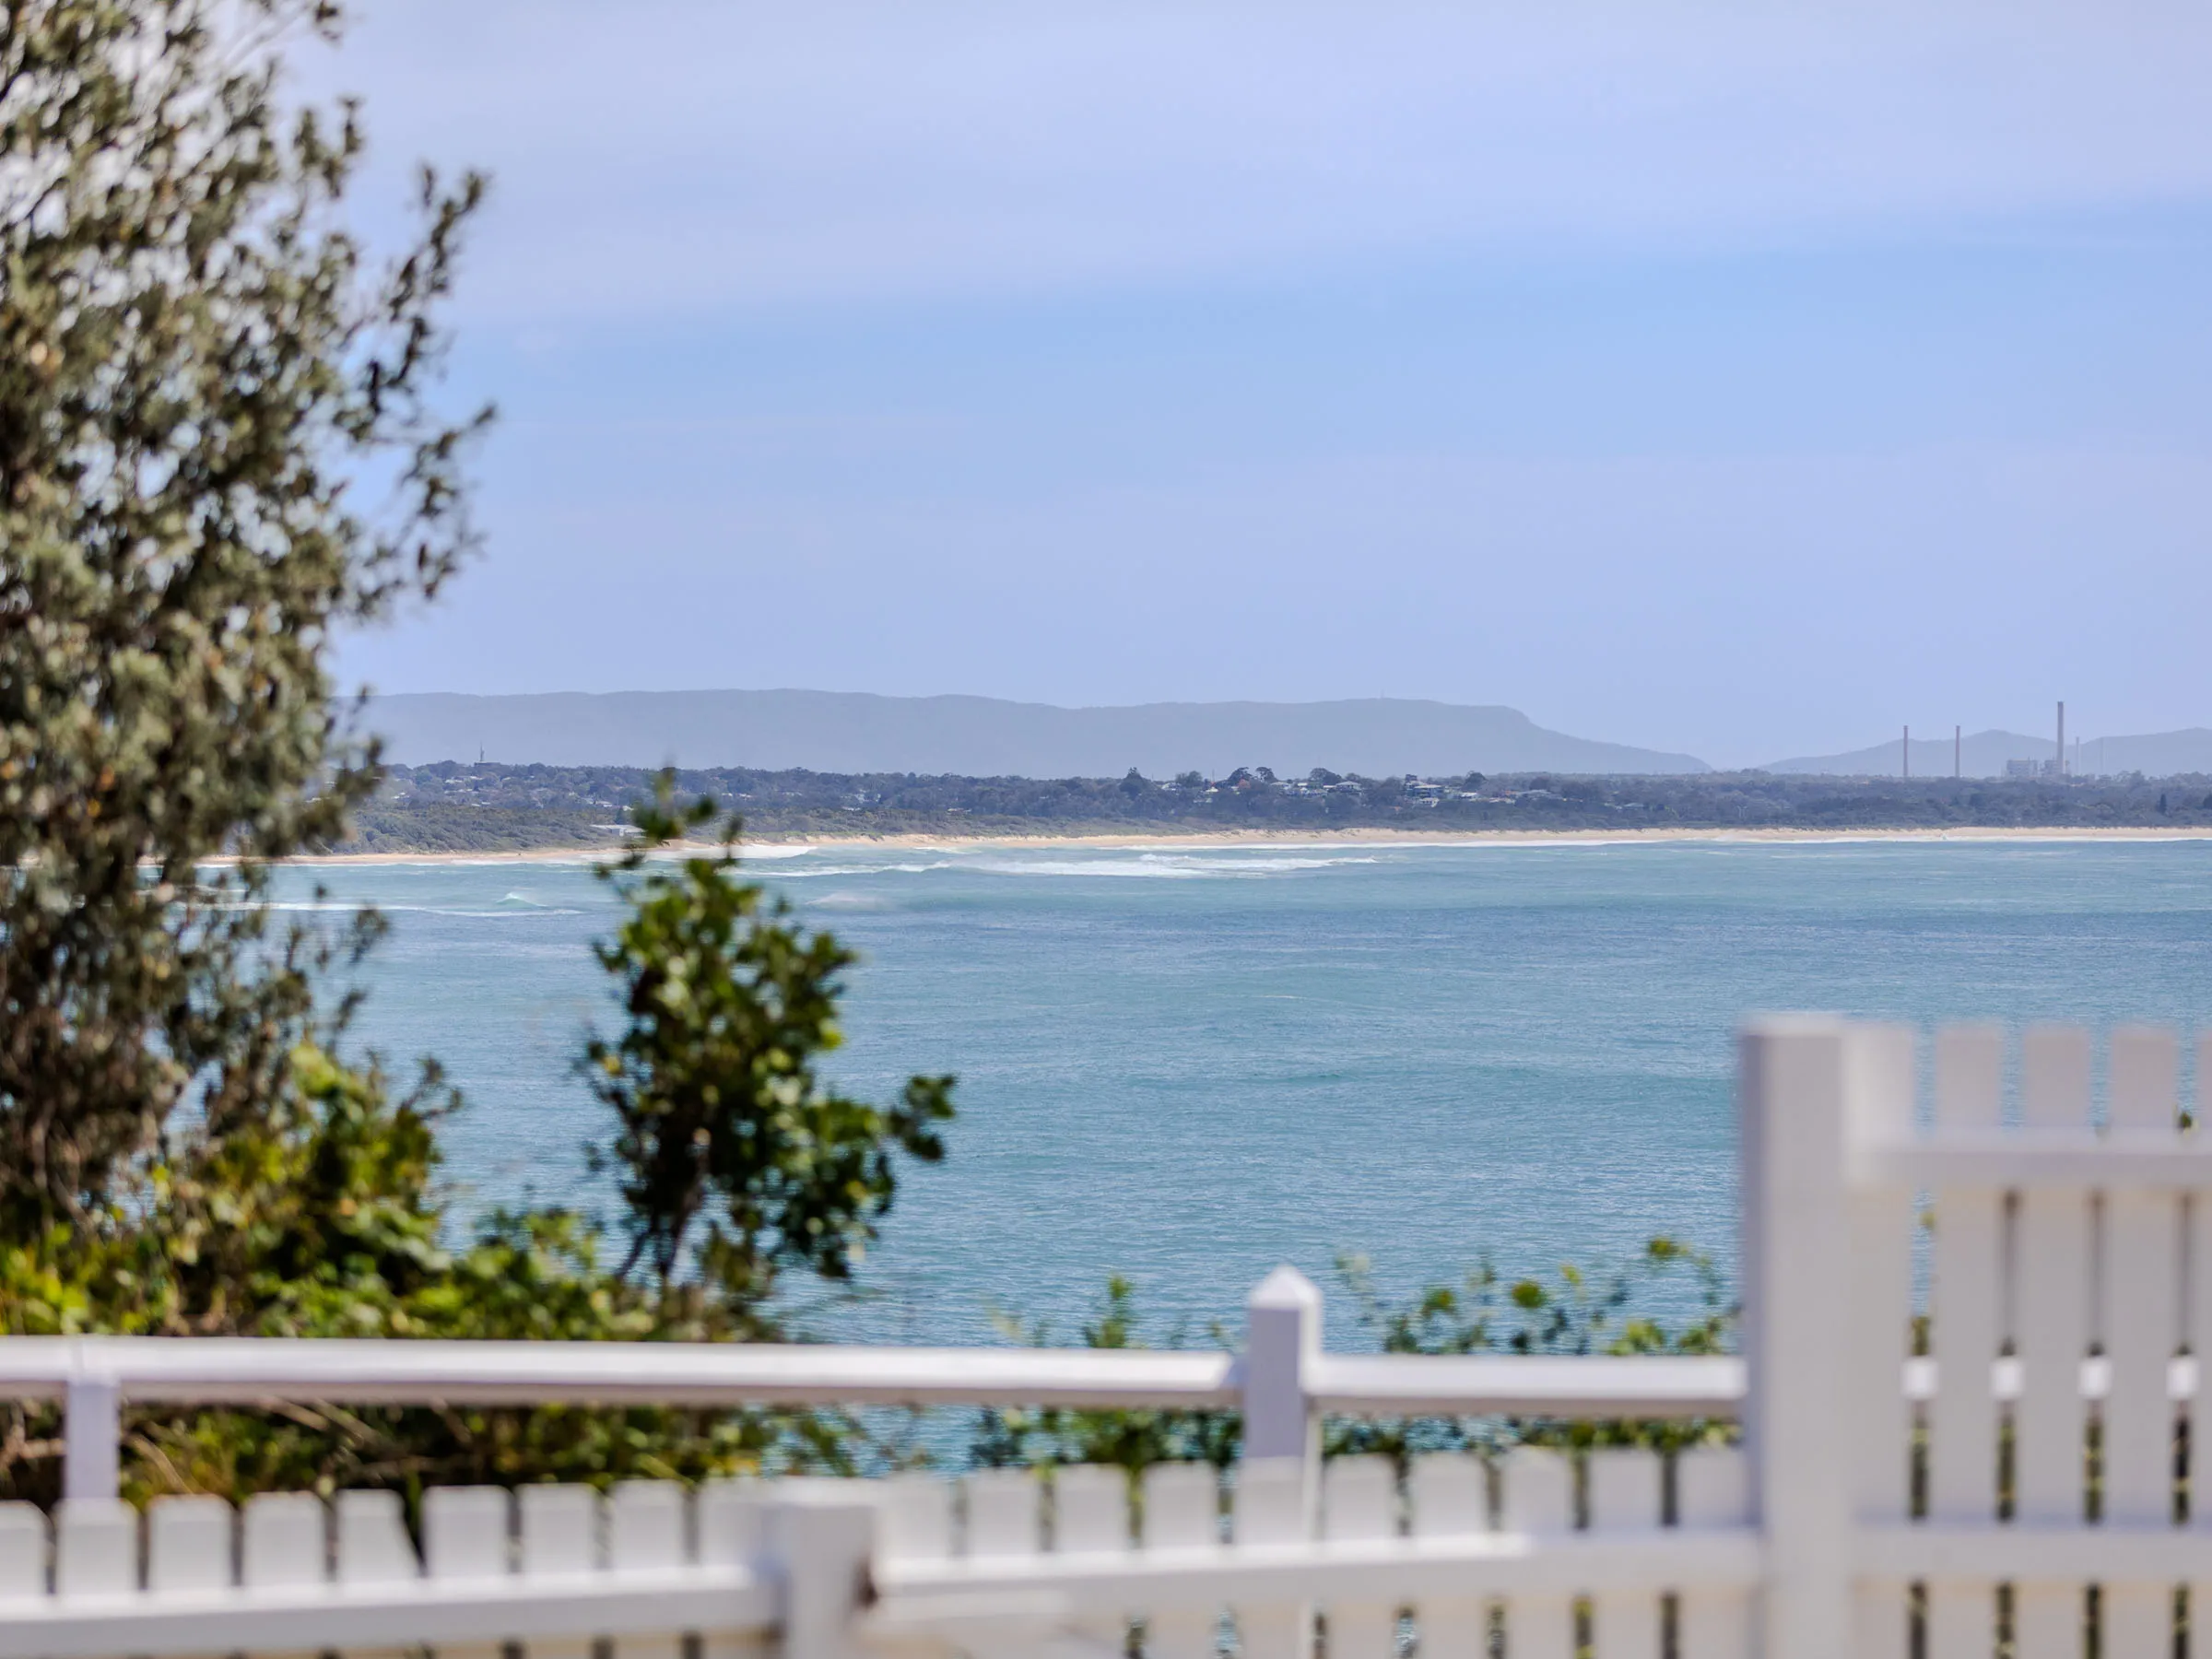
(489, 807)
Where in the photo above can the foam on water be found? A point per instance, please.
(850, 902)
(502, 910)
(880, 869)
(1166, 866)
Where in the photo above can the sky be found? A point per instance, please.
(1749, 380)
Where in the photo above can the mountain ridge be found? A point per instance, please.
(980, 736)
(1983, 754)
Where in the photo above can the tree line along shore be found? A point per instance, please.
(489, 807)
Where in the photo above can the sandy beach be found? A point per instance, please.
(1307, 838)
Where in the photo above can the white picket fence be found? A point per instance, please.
(2018, 1483)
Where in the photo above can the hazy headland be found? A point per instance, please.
(476, 776)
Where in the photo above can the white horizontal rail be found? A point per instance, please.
(917, 1593)
(1516, 1385)
(249, 1371)
(1935, 1551)
(311, 1617)
(245, 1370)
(2007, 1378)
(2035, 1159)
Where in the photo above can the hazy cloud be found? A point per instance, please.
(686, 154)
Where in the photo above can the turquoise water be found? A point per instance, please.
(1187, 1065)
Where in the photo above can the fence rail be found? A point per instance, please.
(248, 1370)
(1292, 1383)
(245, 1370)
(286, 1574)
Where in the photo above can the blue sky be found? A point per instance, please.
(1693, 375)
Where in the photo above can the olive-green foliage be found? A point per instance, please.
(1607, 1308)
(324, 1219)
(319, 1215)
(1604, 1309)
(199, 377)
(722, 1123)
(1133, 1440)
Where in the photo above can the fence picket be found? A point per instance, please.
(1181, 1512)
(733, 1521)
(373, 1549)
(1964, 1336)
(95, 1547)
(189, 1544)
(1272, 1498)
(1090, 1509)
(560, 1541)
(1451, 1498)
(732, 1518)
(464, 1533)
(1625, 1497)
(917, 1517)
(1539, 1500)
(2051, 1333)
(283, 1541)
(22, 1551)
(1004, 1513)
(1360, 1500)
(2141, 1306)
(1091, 1517)
(1712, 1488)
(646, 1526)
(1880, 1430)
(1004, 1521)
(465, 1536)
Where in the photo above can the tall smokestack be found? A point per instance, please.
(2061, 739)
(1907, 751)
(1957, 752)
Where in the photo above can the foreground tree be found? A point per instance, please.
(736, 1161)
(199, 376)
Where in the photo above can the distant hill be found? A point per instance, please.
(1985, 755)
(2159, 754)
(983, 737)
(2155, 755)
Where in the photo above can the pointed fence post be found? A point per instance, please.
(1282, 1339)
(821, 1540)
(1792, 1098)
(1278, 1477)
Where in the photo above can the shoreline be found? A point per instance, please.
(791, 846)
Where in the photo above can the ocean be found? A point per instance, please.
(1185, 1063)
